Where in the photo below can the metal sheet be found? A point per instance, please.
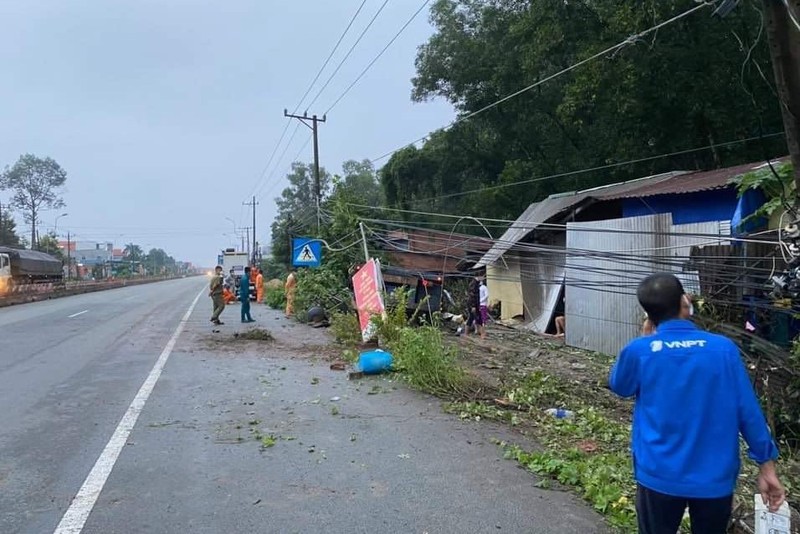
(602, 313)
(542, 279)
(542, 212)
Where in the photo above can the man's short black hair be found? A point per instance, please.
(247, 270)
(218, 267)
(660, 295)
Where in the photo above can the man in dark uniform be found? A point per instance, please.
(244, 296)
(473, 303)
(215, 289)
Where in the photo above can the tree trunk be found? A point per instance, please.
(34, 241)
(784, 48)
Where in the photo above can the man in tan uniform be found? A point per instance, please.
(289, 287)
(215, 290)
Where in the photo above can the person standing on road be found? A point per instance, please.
(473, 305)
(259, 286)
(230, 282)
(289, 288)
(693, 397)
(483, 312)
(215, 288)
(244, 296)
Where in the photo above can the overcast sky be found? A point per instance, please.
(164, 113)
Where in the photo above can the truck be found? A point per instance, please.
(426, 294)
(21, 267)
(231, 259)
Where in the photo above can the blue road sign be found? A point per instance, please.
(306, 252)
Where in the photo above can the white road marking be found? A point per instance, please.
(76, 314)
(78, 512)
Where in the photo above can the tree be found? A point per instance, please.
(49, 244)
(132, 252)
(297, 207)
(695, 83)
(36, 184)
(8, 230)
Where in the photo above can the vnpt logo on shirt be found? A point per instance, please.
(658, 345)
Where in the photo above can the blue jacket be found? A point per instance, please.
(693, 399)
(244, 288)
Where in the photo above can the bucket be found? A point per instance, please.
(374, 361)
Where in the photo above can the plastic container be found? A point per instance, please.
(559, 413)
(373, 362)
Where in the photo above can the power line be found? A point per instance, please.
(350, 51)
(291, 162)
(327, 60)
(630, 40)
(308, 90)
(280, 158)
(376, 58)
(594, 169)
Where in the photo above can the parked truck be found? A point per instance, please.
(230, 259)
(21, 267)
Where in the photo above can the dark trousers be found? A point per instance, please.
(246, 310)
(662, 514)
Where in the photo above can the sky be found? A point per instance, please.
(164, 114)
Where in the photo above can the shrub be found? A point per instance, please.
(388, 328)
(427, 362)
(275, 297)
(320, 287)
(346, 328)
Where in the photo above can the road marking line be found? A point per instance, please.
(76, 314)
(78, 512)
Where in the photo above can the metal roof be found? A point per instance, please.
(689, 182)
(675, 182)
(543, 211)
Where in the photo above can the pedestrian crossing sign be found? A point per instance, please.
(306, 252)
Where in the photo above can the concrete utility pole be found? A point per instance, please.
(782, 22)
(247, 234)
(69, 257)
(253, 203)
(313, 126)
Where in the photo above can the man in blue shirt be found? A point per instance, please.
(693, 399)
(244, 296)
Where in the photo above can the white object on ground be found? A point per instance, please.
(772, 523)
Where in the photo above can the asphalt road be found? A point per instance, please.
(234, 436)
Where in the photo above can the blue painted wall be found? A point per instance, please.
(703, 206)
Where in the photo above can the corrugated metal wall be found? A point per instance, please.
(601, 309)
(542, 276)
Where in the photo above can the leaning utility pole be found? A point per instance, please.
(253, 203)
(313, 126)
(782, 22)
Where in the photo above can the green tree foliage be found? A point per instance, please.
(157, 261)
(296, 207)
(49, 243)
(36, 184)
(694, 83)
(8, 230)
(132, 252)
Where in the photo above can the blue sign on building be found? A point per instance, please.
(306, 252)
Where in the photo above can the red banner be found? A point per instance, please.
(369, 301)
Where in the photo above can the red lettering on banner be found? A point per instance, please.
(368, 295)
